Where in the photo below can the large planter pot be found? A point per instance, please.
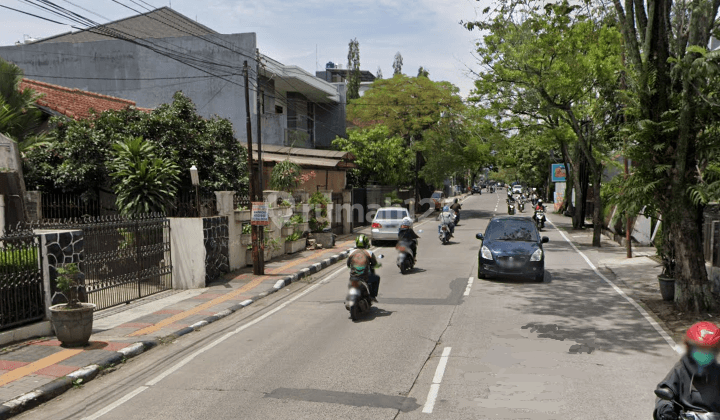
(302, 227)
(667, 287)
(326, 239)
(286, 231)
(295, 246)
(243, 215)
(245, 239)
(73, 327)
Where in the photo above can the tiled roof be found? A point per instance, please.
(159, 23)
(73, 103)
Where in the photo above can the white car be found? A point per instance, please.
(386, 224)
(517, 189)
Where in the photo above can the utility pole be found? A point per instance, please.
(628, 224)
(256, 250)
(258, 105)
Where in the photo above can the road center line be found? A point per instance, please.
(469, 286)
(437, 379)
(639, 308)
(189, 358)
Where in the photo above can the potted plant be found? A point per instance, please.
(299, 224)
(295, 243)
(73, 320)
(274, 247)
(242, 214)
(246, 235)
(287, 228)
(319, 220)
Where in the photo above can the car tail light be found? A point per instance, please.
(376, 226)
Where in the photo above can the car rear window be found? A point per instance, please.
(391, 214)
(511, 230)
(435, 195)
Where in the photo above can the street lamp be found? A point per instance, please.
(195, 179)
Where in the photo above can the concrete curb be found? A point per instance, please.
(51, 390)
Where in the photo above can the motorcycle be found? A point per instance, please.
(457, 217)
(521, 205)
(405, 258)
(539, 219)
(492, 189)
(668, 395)
(511, 208)
(444, 233)
(358, 299)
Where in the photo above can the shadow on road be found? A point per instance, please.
(374, 312)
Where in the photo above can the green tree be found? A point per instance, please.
(353, 70)
(19, 116)
(285, 176)
(379, 74)
(422, 72)
(552, 62)
(673, 125)
(397, 64)
(143, 182)
(76, 155)
(380, 157)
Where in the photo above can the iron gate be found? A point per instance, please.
(126, 259)
(339, 216)
(22, 297)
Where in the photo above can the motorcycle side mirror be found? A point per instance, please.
(380, 256)
(665, 393)
(545, 239)
(480, 236)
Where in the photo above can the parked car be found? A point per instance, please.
(438, 197)
(511, 247)
(386, 224)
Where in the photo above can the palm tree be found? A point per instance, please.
(19, 116)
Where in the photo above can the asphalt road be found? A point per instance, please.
(434, 347)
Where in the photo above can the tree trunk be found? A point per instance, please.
(692, 288)
(579, 214)
(597, 211)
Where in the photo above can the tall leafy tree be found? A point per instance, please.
(673, 123)
(549, 61)
(353, 70)
(379, 74)
(380, 157)
(397, 64)
(76, 156)
(422, 72)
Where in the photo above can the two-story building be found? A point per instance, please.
(146, 58)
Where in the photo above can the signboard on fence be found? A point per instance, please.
(259, 214)
(557, 172)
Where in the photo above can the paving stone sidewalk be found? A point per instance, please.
(636, 276)
(34, 371)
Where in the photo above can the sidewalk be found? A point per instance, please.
(636, 276)
(36, 371)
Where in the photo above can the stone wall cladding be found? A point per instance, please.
(217, 256)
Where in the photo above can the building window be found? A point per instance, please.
(278, 109)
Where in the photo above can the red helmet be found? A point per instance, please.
(703, 334)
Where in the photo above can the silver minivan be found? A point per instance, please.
(386, 223)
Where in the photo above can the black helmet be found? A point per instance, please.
(455, 200)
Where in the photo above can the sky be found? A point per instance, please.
(308, 33)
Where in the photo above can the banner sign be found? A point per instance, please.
(259, 214)
(557, 172)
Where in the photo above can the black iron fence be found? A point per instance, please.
(189, 204)
(124, 258)
(21, 280)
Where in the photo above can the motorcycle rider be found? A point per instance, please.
(695, 379)
(406, 233)
(538, 207)
(456, 206)
(447, 218)
(361, 262)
